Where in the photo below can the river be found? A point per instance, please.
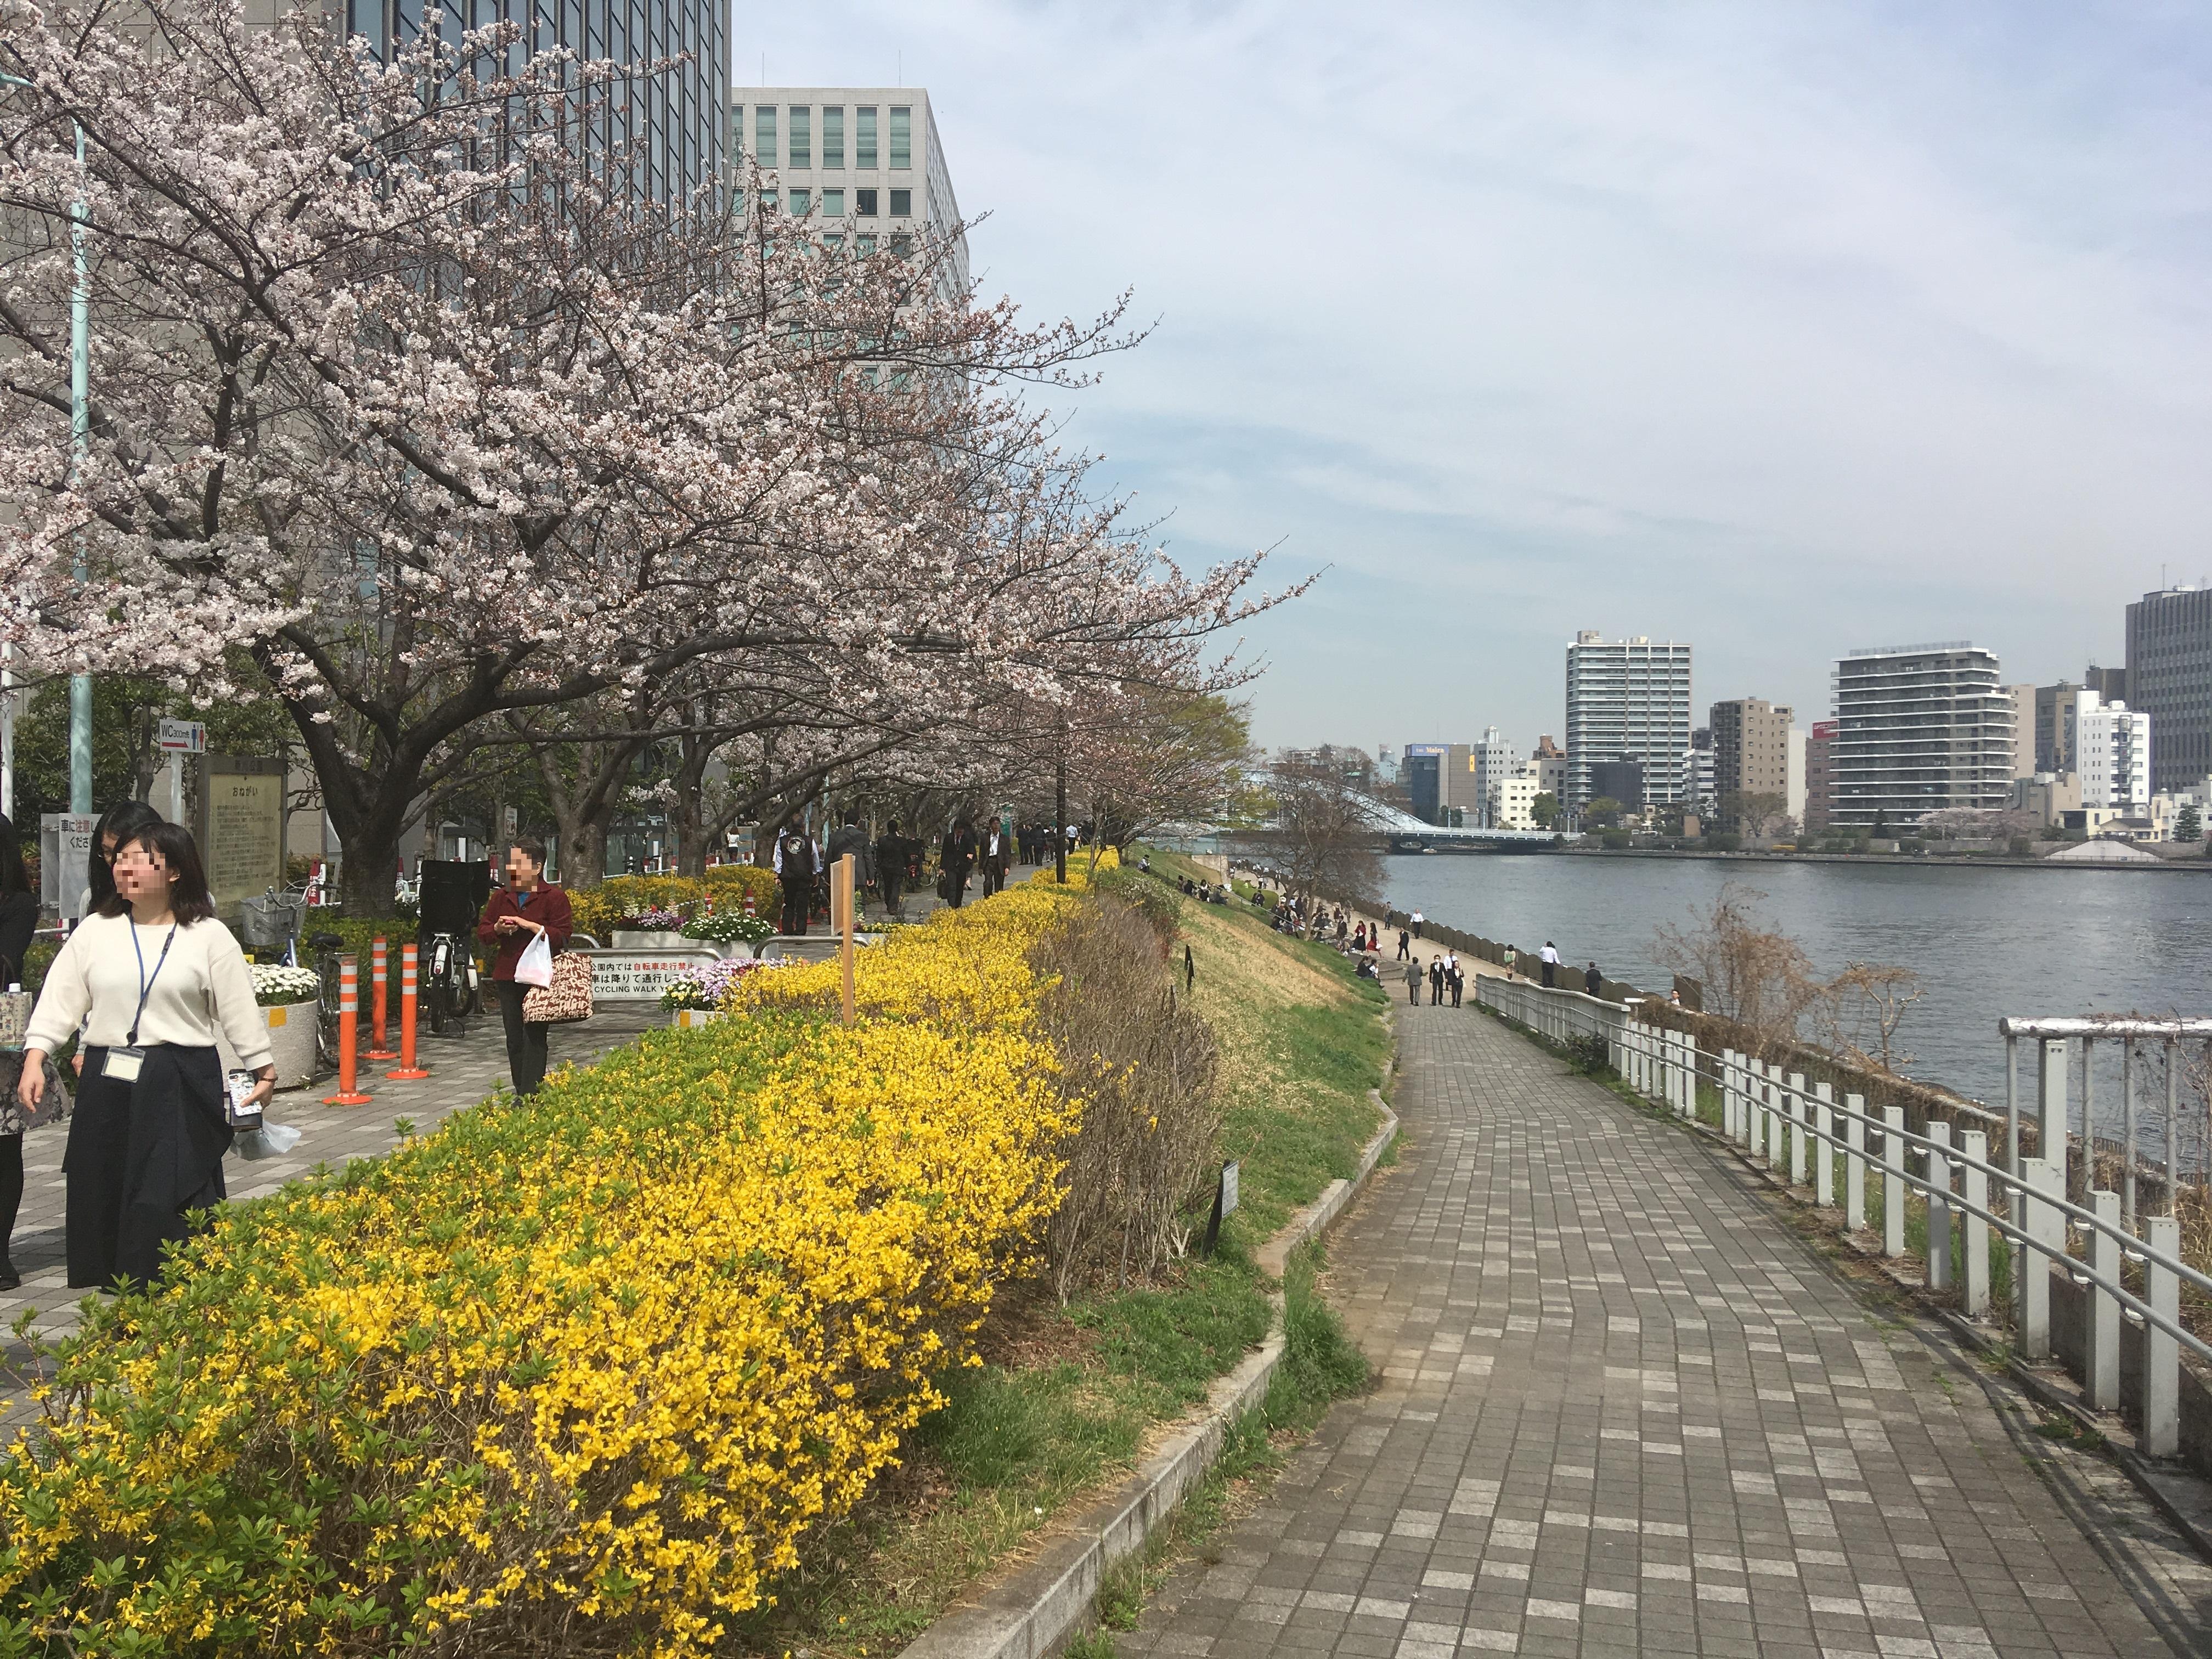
(1985, 942)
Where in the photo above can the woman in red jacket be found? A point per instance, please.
(518, 913)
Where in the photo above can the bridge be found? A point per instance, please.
(1409, 834)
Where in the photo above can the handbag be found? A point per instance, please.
(535, 966)
(567, 997)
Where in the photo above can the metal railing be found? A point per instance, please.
(1775, 1122)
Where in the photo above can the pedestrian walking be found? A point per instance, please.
(528, 907)
(991, 858)
(1417, 919)
(849, 839)
(955, 858)
(1413, 982)
(1456, 979)
(1435, 982)
(890, 871)
(19, 924)
(1593, 981)
(1405, 946)
(150, 977)
(126, 818)
(1189, 969)
(796, 863)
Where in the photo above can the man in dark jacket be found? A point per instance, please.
(796, 864)
(849, 837)
(1594, 982)
(957, 857)
(890, 870)
(991, 857)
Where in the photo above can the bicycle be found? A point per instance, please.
(450, 988)
(329, 975)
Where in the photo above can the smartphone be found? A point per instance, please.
(241, 1086)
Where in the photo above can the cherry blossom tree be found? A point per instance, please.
(397, 390)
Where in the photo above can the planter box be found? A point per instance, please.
(688, 1019)
(639, 939)
(291, 1043)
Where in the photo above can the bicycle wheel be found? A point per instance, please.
(326, 1011)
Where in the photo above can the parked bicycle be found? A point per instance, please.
(329, 949)
(450, 988)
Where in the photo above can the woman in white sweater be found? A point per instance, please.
(156, 974)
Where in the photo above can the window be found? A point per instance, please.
(864, 203)
(802, 137)
(798, 203)
(768, 201)
(764, 135)
(833, 203)
(863, 136)
(901, 136)
(737, 130)
(901, 246)
(866, 244)
(833, 135)
(901, 204)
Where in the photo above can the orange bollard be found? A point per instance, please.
(407, 1069)
(348, 1092)
(379, 970)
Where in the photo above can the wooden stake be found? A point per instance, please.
(840, 918)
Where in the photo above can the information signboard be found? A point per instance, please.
(641, 976)
(182, 738)
(65, 850)
(241, 828)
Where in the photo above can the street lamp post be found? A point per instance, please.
(80, 442)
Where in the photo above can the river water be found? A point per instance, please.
(1985, 942)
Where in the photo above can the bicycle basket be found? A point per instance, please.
(270, 922)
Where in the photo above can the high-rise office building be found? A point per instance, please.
(2109, 683)
(1919, 729)
(1440, 779)
(2170, 679)
(865, 162)
(1751, 752)
(2111, 752)
(672, 122)
(1628, 700)
(1494, 761)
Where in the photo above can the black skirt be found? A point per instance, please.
(141, 1156)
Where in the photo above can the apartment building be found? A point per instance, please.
(1494, 761)
(1919, 729)
(2111, 752)
(2023, 726)
(864, 162)
(1628, 701)
(1820, 777)
(1751, 752)
(1510, 803)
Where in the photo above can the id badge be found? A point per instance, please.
(123, 1063)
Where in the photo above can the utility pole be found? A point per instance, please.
(80, 440)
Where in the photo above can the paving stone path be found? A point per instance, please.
(1625, 1410)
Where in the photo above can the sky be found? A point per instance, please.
(1779, 330)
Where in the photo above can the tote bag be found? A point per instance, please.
(568, 998)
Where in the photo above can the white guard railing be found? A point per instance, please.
(1777, 1123)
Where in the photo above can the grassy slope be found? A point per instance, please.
(1072, 1394)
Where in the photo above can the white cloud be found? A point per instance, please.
(1778, 329)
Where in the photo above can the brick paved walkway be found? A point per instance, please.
(1624, 1410)
(463, 1070)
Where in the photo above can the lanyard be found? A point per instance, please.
(145, 982)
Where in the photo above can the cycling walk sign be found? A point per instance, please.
(642, 976)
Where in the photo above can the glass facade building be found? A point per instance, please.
(673, 123)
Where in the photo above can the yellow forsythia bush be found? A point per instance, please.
(573, 1374)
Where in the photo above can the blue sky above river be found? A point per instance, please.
(1780, 330)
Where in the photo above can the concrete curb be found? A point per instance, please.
(1033, 1612)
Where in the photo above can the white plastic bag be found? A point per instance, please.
(270, 1140)
(536, 967)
